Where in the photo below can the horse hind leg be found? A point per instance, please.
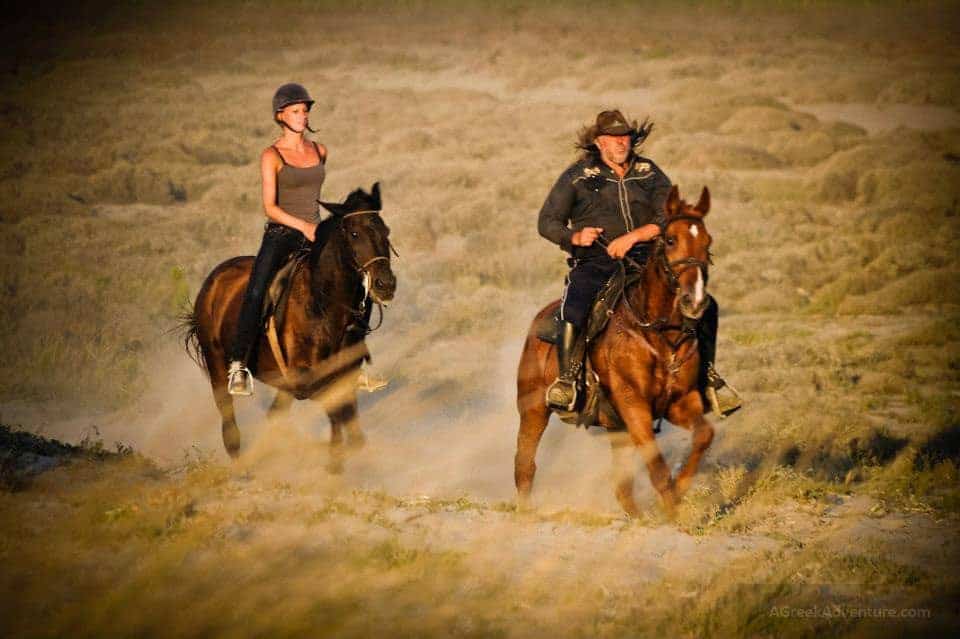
(217, 369)
(280, 405)
(224, 401)
(533, 422)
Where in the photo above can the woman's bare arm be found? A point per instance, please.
(270, 165)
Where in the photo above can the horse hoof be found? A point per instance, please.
(669, 510)
(632, 512)
(356, 442)
(231, 440)
(335, 467)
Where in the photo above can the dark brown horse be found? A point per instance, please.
(646, 362)
(329, 294)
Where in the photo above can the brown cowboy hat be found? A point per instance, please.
(614, 123)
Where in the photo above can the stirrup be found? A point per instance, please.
(239, 380)
(558, 393)
(370, 382)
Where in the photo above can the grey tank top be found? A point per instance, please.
(298, 189)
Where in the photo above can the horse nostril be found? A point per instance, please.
(378, 282)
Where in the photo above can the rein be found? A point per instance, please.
(661, 325)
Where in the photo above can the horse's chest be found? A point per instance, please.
(660, 374)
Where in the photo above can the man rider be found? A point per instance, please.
(611, 191)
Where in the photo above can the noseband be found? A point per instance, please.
(362, 268)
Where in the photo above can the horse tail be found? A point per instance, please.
(190, 325)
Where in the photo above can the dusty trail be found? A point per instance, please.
(834, 224)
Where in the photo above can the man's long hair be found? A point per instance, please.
(587, 134)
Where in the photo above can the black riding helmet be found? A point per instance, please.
(288, 94)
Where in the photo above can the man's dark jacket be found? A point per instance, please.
(589, 193)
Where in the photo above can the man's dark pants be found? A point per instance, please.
(588, 276)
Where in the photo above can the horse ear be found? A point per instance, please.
(673, 201)
(375, 194)
(335, 209)
(704, 204)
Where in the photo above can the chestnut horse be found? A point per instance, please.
(646, 360)
(349, 261)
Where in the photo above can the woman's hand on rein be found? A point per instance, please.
(309, 231)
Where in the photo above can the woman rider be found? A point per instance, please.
(292, 170)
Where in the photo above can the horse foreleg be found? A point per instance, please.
(640, 426)
(280, 405)
(341, 409)
(688, 413)
(622, 450)
(348, 416)
(533, 421)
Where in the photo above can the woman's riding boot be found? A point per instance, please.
(562, 394)
(239, 379)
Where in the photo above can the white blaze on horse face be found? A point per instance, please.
(694, 231)
(698, 288)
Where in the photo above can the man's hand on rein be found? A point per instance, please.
(586, 236)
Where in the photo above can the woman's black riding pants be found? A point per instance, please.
(279, 242)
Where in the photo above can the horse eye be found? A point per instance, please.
(671, 240)
(354, 234)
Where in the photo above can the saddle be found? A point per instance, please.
(548, 328)
(593, 407)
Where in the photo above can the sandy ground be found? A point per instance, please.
(836, 486)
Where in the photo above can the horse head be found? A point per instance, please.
(684, 251)
(366, 237)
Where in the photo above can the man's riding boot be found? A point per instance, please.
(239, 379)
(711, 384)
(562, 394)
(725, 403)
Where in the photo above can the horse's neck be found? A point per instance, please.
(331, 281)
(655, 297)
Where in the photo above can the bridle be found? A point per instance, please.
(360, 313)
(661, 325)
